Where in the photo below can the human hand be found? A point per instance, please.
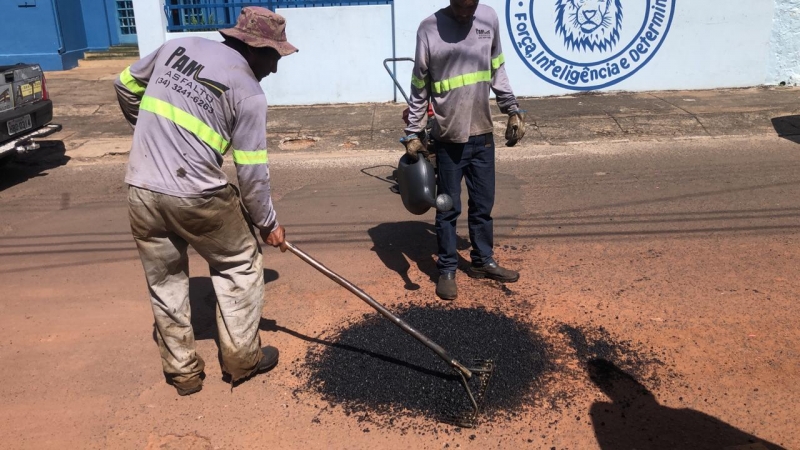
(414, 147)
(515, 130)
(275, 238)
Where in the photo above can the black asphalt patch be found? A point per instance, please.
(374, 367)
(376, 372)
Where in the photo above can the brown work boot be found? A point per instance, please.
(446, 288)
(190, 386)
(493, 271)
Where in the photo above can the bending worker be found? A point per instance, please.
(190, 102)
(458, 59)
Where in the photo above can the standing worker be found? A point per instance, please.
(190, 102)
(458, 59)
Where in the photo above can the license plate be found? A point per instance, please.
(20, 124)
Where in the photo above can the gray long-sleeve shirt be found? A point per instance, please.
(191, 101)
(455, 66)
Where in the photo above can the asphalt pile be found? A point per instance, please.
(374, 368)
(377, 373)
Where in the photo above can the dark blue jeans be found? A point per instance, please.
(475, 162)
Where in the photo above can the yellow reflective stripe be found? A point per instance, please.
(245, 158)
(461, 81)
(497, 62)
(186, 121)
(133, 85)
(419, 84)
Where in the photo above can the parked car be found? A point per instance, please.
(25, 109)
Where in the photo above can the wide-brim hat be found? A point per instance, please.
(259, 27)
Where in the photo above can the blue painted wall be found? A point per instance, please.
(55, 33)
(17, 41)
(73, 31)
(98, 23)
(110, 14)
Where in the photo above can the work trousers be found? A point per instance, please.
(215, 226)
(473, 161)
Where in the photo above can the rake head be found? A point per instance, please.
(479, 375)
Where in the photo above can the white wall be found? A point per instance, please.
(784, 61)
(340, 59)
(151, 24)
(710, 44)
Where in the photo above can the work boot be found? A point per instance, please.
(269, 359)
(493, 271)
(446, 288)
(191, 386)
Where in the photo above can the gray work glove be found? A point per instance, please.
(414, 147)
(515, 130)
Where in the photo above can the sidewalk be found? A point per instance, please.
(85, 104)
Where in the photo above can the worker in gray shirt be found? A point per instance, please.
(192, 101)
(458, 60)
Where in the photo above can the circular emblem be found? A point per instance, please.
(584, 45)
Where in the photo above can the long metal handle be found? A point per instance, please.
(380, 308)
(394, 78)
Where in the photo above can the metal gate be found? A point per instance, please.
(209, 15)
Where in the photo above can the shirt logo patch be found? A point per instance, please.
(192, 68)
(483, 34)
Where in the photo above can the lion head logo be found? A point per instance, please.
(589, 25)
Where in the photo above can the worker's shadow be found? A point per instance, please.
(271, 326)
(634, 419)
(397, 242)
(787, 127)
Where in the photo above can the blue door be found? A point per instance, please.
(126, 23)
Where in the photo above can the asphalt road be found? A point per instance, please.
(687, 248)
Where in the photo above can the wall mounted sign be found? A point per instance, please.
(585, 45)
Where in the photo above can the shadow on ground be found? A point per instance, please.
(788, 127)
(203, 304)
(19, 169)
(396, 241)
(272, 326)
(634, 419)
(390, 179)
(203, 301)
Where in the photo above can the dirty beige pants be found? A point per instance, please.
(215, 226)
